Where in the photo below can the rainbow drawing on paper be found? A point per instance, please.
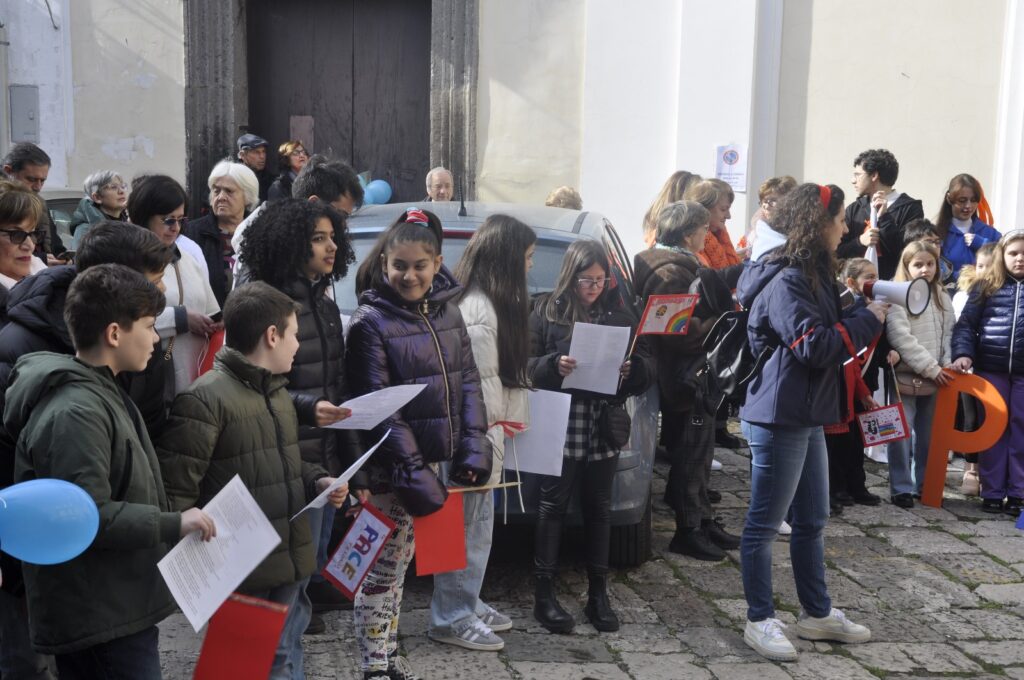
(667, 314)
(677, 324)
(887, 429)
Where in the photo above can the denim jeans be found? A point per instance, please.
(321, 521)
(790, 472)
(456, 596)
(132, 657)
(288, 657)
(902, 479)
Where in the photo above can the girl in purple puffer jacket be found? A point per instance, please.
(408, 331)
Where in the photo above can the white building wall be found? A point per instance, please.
(111, 80)
(528, 98)
(918, 77)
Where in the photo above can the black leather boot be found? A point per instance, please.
(546, 609)
(694, 543)
(599, 610)
(718, 535)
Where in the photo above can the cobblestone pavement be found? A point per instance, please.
(941, 589)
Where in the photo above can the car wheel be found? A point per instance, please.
(631, 544)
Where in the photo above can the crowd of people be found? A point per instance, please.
(102, 345)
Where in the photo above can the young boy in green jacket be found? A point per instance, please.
(238, 419)
(70, 420)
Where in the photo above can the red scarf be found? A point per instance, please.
(718, 251)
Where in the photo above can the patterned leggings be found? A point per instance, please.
(379, 599)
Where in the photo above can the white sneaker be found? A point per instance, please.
(835, 627)
(767, 639)
(785, 529)
(476, 636)
(715, 465)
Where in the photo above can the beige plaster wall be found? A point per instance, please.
(919, 77)
(128, 65)
(529, 98)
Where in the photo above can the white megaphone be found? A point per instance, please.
(913, 296)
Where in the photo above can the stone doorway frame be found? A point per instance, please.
(217, 90)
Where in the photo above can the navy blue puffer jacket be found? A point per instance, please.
(801, 384)
(990, 332)
(395, 342)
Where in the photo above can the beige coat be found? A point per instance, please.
(922, 341)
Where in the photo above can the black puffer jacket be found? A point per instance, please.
(550, 340)
(396, 342)
(206, 234)
(317, 373)
(891, 227)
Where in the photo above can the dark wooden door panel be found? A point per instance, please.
(391, 118)
(359, 68)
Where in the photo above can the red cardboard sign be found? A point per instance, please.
(358, 551)
(241, 640)
(213, 346)
(883, 424)
(441, 539)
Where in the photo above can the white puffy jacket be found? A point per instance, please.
(922, 341)
(502, 403)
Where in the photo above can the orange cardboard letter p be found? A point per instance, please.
(946, 437)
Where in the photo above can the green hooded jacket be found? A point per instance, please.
(71, 421)
(238, 419)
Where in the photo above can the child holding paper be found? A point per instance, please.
(301, 247)
(408, 330)
(239, 419)
(923, 342)
(583, 293)
(70, 420)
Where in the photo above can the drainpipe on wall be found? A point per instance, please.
(5, 105)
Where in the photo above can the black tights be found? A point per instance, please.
(596, 479)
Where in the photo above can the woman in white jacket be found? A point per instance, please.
(495, 306)
(923, 343)
(157, 203)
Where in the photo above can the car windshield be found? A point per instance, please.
(547, 260)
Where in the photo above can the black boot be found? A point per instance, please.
(694, 543)
(599, 610)
(718, 535)
(546, 609)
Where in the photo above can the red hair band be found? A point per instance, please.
(417, 216)
(826, 195)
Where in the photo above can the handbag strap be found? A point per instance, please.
(895, 388)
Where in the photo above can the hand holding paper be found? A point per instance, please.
(598, 351)
(368, 411)
(337, 495)
(342, 480)
(328, 414)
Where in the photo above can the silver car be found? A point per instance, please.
(556, 228)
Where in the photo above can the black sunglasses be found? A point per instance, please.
(17, 236)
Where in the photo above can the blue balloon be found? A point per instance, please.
(47, 521)
(370, 196)
(381, 190)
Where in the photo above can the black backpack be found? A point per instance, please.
(731, 362)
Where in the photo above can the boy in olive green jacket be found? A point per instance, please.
(70, 420)
(239, 419)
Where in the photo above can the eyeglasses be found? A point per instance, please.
(770, 202)
(591, 283)
(299, 152)
(115, 187)
(17, 236)
(171, 221)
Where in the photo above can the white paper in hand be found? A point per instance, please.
(599, 352)
(540, 448)
(321, 500)
(202, 574)
(370, 409)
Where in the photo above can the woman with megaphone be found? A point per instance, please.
(795, 311)
(921, 333)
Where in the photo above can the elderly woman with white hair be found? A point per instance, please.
(106, 198)
(234, 192)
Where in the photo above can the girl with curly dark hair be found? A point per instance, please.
(301, 248)
(795, 313)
